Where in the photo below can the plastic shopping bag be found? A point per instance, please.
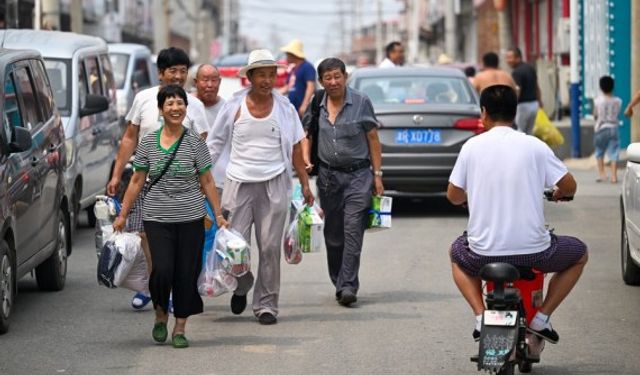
(110, 259)
(129, 246)
(106, 209)
(310, 228)
(137, 278)
(210, 229)
(233, 248)
(546, 131)
(380, 213)
(291, 246)
(214, 280)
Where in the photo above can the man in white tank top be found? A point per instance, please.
(254, 141)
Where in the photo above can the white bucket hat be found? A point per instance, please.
(260, 58)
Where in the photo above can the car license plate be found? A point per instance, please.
(418, 136)
(500, 318)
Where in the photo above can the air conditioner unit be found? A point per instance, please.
(563, 36)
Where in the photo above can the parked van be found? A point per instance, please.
(133, 71)
(34, 211)
(83, 85)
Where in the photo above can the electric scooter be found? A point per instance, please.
(513, 297)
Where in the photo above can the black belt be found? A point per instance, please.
(347, 168)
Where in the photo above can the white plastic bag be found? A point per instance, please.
(234, 250)
(214, 280)
(291, 247)
(137, 278)
(132, 271)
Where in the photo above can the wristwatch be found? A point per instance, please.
(377, 173)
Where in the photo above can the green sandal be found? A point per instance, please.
(179, 341)
(159, 332)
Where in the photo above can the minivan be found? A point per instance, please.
(84, 89)
(133, 71)
(34, 210)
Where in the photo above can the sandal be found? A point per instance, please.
(159, 332)
(179, 341)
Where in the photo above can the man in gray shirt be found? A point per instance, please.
(350, 171)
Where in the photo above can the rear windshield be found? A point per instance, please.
(119, 62)
(59, 71)
(412, 90)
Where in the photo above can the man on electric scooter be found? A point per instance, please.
(502, 174)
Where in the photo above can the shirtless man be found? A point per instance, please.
(491, 74)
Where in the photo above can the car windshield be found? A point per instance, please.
(60, 79)
(119, 62)
(413, 90)
(238, 59)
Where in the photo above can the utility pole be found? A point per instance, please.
(413, 32)
(77, 19)
(37, 14)
(161, 25)
(635, 65)
(450, 30)
(574, 14)
(226, 26)
(379, 45)
(504, 31)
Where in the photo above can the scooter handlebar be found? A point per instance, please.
(548, 195)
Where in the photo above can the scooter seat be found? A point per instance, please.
(499, 273)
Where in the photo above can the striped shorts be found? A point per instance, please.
(564, 252)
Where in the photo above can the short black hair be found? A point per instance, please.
(500, 102)
(172, 56)
(171, 91)
(606, 84)
(470, 71)
(491, 60)
(389, 48)
(331, 63)
(516, 51)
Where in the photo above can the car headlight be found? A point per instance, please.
(69, 148)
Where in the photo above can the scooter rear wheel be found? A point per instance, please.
(508, 369)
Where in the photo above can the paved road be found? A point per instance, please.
(410, 318)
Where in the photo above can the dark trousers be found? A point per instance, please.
(345, 199)
(176, 255)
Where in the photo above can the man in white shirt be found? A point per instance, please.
(394, 52)
(255, 141)
(502, 174)
(207, 83)
(144, 118)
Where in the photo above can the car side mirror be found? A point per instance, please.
(21, 140)
(94, 104)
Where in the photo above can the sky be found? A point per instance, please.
(273, 23)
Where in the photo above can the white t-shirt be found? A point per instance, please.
(256, 151)
(212, 112)
(607, 111)
(386, 63)
(145, 114)
(504, 173)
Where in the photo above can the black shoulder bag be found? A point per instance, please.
(166, 166)
(314, 128)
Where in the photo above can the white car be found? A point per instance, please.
(630, 215)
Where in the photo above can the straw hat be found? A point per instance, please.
(260, 58)
(443, 59)
(295, 48)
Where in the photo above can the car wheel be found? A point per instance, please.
(52, 273)
(7, 280)
(630, 271)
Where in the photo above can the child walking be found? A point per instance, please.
(606, 111)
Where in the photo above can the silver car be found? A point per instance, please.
(426, 115)
(83, 86)
(630, 215)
